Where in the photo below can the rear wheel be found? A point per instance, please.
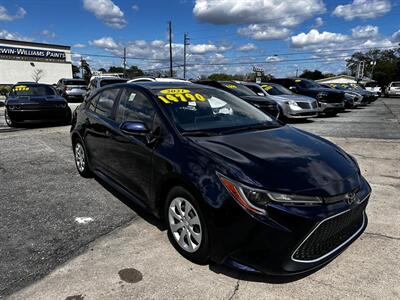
(187, 229)
(81, 161)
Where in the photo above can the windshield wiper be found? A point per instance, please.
(198, 133)
(249, 128)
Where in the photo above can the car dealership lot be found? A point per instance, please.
(51, 214)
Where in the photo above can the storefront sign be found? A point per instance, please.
(21, 53)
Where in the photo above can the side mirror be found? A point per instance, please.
(134, 128)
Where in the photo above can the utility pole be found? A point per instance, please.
(124, 62)
(171, 71)
(297, 72)
(185, 44)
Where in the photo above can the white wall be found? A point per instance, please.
(12, 71)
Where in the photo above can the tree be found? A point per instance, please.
(37, 75)
(134, 71)
(386, 69)
(87, 72)
(313, 75)
(102, 70)
(220, 76)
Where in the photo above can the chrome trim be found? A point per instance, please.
(334, 250)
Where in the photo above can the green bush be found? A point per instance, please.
(4, 90)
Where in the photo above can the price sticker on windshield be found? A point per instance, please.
(179, 95)
(19, 88)
(297, 80)
(267, 87)
(231, 86)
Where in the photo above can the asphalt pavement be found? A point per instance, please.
(92, 245)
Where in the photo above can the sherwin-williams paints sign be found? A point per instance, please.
(21, 53)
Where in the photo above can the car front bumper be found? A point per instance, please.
(325, 107)
(301, 113)
(53, 114)
(292, 239)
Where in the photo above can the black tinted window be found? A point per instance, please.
(105, 102)
(135, 106)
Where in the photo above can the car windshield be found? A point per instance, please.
(105, 82)
(32, 90)
(209, 110)
(307, 84)
(74, 82)
(238, 89)
(276, 89)
(396, 84)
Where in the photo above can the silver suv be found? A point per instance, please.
(72, 89)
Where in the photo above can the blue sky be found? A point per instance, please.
(225, 35)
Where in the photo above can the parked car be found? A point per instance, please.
(97, 82)
(291, 105)
(330, 102)
(156, 79)
(368, 97)
(373, 87)
(231, 187)
(267, 105)
(35, 102)
(72, 89)
(393, 89)
(352, 99)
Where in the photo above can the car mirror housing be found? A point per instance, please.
(134, 128)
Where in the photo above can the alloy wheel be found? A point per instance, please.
(185, 224)
(9, 122)
(80, 157)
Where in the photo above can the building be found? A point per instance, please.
(29, 61)
(344, 79)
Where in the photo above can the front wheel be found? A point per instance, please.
(187, 229)
(10, 122)
(81, 160)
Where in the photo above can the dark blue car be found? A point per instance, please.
(231, 183)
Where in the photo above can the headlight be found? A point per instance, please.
(255, 200)
(293, 105)
(322, 95)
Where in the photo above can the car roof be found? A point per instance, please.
(160, 85)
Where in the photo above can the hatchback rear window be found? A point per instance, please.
(74, 82)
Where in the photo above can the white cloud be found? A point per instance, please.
(318, 22)
(47, 33)
(314, 37)
(247, 47)
(135, 7)
(364, 9)
(274, 58)
(106, 11)
(287, 13)
(4, 34)
(264, 32)
(396, 37)
(5, 16)
(206, 48)
(104, 42)
(79, 46)
(365, 31)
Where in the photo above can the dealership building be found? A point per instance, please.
(29, 61)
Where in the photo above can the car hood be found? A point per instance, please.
(284, 159)
(256, 99)
(324, 90)
(292, 97)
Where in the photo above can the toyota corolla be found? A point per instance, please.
(232, 184)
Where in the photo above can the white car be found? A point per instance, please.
(393, 90)
(374, 88)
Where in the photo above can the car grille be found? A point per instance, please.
(304, 105)
(329, 235)
(334, 98)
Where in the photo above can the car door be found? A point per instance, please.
(133, 154)
(99, 125)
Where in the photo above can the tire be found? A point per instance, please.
(81, 159)
(189, 236)
(10, 122)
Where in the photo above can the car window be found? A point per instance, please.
(395, 84)
(32, 90)
(255, 89)
(92, 103)
(135, 106)
(105, 102)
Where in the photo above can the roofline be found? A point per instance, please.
(34, 44)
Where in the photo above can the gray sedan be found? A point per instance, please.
(292, 106)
